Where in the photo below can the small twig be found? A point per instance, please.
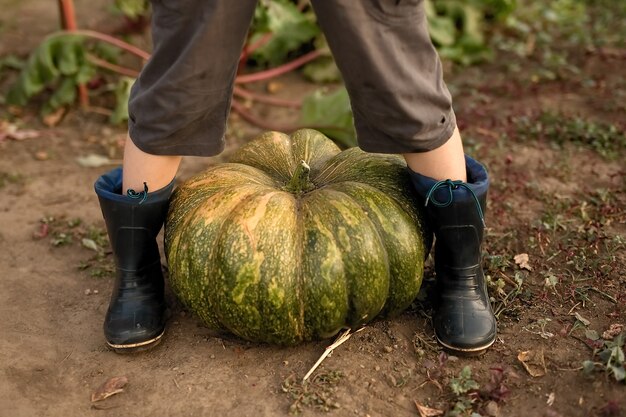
(509, 280)
(281, 69)
(98, 110)
(68, 23)
(609, 297)
(344, 336)
(428, 345)
(104, 407)
(68, 16)
(176, 383)
(570, 369)
(572, 309)
(247, 50)
(107, 39)
(67, 356)
(112, 67)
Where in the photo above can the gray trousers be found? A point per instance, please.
(180, 102)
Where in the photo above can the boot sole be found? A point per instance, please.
(136, 347)
(477, 351)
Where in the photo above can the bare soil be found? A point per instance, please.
(564, 205)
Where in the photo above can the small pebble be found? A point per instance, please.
(42, 156)
(212, 356)
(95, 291)
(87, 291)
(388, 349)
(377, 368)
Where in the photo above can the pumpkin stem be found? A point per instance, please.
(300, 182)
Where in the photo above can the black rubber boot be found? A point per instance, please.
(464, 321)
(135, 318)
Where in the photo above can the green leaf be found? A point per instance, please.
(322, 70)
(68, 57)
(85, 73)
(441, 28)
(132, 8)
(290, 29)
(11, 61)
(122, 93)
(107, 52)
(65, 94)
(588, 367)
(56, 57)
(44, 60)
(331, 114)
(618, 372)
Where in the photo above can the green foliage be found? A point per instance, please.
(59, 63)
(612, 360)
(132, 8)
(464, 383)
(552, 34)
(608, 140)
(122, 93)
(458, 28)
(290, 28)
(463, 388)
(331, 114)
(323, 69)
(318, 392)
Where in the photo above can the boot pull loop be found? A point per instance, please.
(452, 185)
(137, 195)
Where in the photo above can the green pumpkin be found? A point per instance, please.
(295, 240)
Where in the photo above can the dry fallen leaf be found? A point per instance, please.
(53, 119)
(11, 131)
(110, 387)
(522, 260)
(95, 161)
(613, 330)
(534, 362)
(426, 411)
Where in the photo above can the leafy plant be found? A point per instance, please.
(282, 30)
(465, 390)
(458, 28)
(59, 63)
(608, 140)
(331, 114)
(612, 360)
(317, 392)
(290, 28)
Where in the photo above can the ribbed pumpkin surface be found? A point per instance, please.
(279, 260)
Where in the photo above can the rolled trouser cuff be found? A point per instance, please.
(372, 139)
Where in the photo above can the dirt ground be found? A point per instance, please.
(563, 204)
